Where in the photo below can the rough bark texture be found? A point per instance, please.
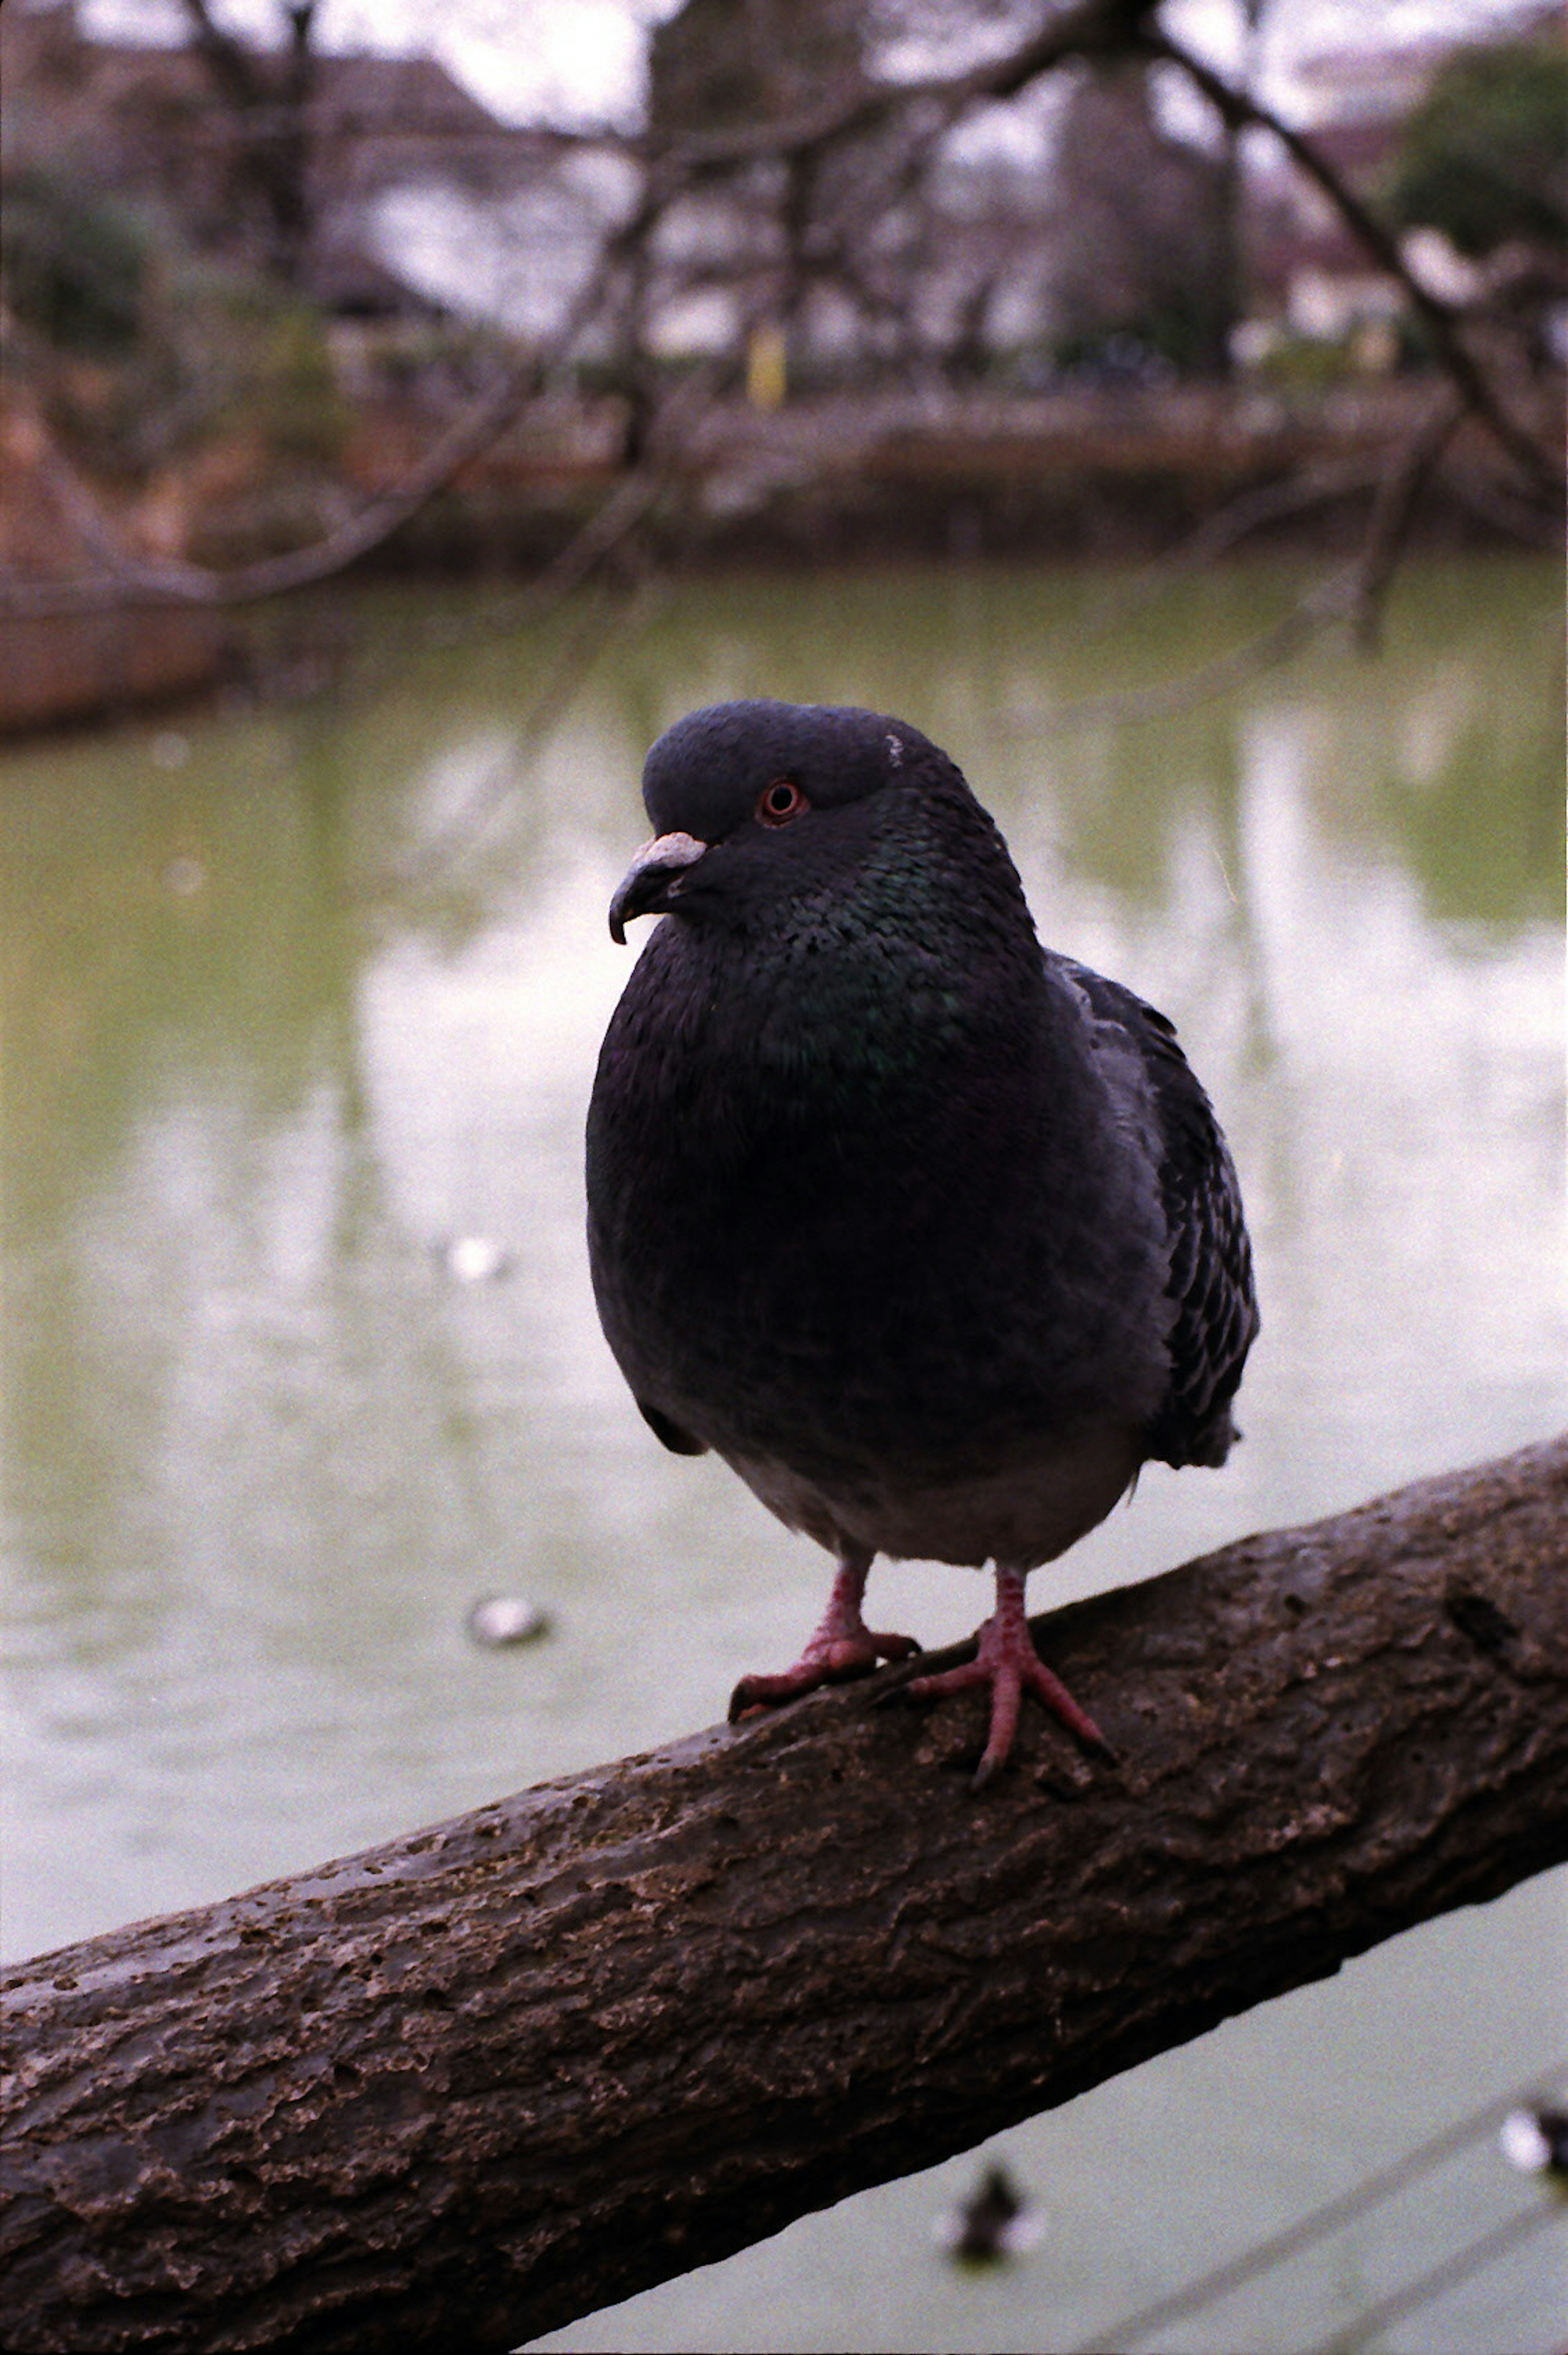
(465, 2087)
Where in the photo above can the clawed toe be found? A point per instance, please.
(892, 1647)
(963, 1679)
(1006, 1663)
(834, 1662)
(748, 1701)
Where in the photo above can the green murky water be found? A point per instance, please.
(293, 999)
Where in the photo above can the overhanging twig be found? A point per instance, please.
(1241, 110)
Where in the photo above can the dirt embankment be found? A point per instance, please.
(71, 666)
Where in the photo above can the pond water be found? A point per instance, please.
(295, 998)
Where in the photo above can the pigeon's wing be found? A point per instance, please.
(1211, 1259)
(678, 1442)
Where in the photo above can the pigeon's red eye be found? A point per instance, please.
(780, 801)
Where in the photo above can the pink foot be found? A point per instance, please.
(842, 1647)
(1008, 1662)
(831, 1663)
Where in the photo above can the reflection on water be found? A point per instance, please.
(286, 1016)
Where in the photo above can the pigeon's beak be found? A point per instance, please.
(653, 879)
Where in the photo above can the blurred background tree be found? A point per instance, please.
(1484, 158)
(1142, 236)
(75, 262)
(217, 256)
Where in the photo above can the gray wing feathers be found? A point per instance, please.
(1211, 1281)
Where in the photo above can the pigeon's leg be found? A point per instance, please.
(843, 1646)
(1008, 1662)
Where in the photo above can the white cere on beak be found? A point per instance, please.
(667, 854)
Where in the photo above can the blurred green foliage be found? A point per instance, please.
(246, 353)
(141, 354)
(73, 264)
(1484, 158)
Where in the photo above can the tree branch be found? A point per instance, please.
(134, 585)
(1393, 510)
(671, 168)
(1335, 598)
(466, 2087)
(1241, 109)
(1087, 28)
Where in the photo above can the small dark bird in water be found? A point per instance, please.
(928, 1230)
(994, 2222)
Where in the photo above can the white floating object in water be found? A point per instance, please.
(185, 875)
(499, 1619)
(1536, 2141)
(476, 1259)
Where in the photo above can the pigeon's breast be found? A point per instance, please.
(869, 1217)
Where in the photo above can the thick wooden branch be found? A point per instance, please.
(469, 2085)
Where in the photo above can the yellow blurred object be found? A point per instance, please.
(765, 372)
(1374, 348)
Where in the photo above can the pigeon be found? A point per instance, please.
(929, 1232)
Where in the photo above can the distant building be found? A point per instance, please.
(204, 149)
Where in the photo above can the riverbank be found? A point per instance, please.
(1093, 473)
(1085, 473)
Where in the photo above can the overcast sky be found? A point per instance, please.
(582, 59)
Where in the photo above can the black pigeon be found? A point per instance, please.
(929, 1232)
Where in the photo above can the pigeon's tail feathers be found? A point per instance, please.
(669, 1432)
(1211, 1287)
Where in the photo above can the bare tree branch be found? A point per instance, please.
(136, 584)
(819, 247)
(1393, 512)
(1328, 602)
(1242, 109)
(1298, 493)
(595, 627)
(1089, 28)
(480, 424)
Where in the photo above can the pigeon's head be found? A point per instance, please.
(749, 800)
